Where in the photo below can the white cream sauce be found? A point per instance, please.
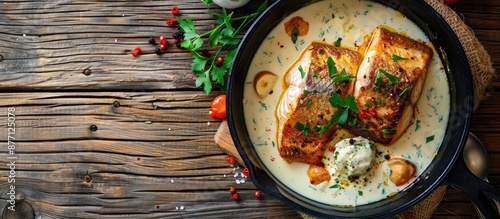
(351, 21)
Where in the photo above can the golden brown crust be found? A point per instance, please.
(312, 106)
(385, 105)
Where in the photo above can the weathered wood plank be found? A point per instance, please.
(57, 41)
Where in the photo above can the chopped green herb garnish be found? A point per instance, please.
(315, 74)
(343, 76)
(353, 122)
(376, 89)
(360, 193)
(378, 100)
(322, 128)
(337, 43)
(334, 186)
(295, 34)
(429, 139)
(340, 116)
(332, 70)
(306, 92)
(388, 131)
(304, 128)
(309, 103)
(369, 104)
(397, 58)
(417, 125)
(392, 78)
(302, 72)
(225, 37)
(403, 92)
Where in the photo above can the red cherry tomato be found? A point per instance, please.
(232, 190)
(218, 110)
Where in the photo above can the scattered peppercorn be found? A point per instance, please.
(178, 45)
(171, 22)
(232, 190)
(174, 10)
(177, 35)
(163, 40)
(136, 51)
(230, 159)
(93, 128)
(220, 60)
(116, 104)
(236, 196)
(246, 171)
(257, 194)
(158, 51)
(151, 40)
(163, 47)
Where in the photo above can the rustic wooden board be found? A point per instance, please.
(160, 132)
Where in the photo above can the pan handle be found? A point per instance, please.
(478, 190)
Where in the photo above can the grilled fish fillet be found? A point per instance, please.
(304, 103)
(388, 85)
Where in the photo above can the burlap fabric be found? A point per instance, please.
(482, 73)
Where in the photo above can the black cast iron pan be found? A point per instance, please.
(448, 166)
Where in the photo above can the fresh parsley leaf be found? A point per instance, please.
(207, 2)
(337, 43)
(224, 37)
(304, 128)
(332, 70)
(295, 34)
(343, 76)
(392, 78)
(397, 58)
(340, 116)
(388, 131)
(302, 72)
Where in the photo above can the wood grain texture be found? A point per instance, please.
(154, 156)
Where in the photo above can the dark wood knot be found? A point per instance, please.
(21, 210)
(1, 58)
(87, 71)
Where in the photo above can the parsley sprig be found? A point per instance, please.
(340, 116)
(224, 36)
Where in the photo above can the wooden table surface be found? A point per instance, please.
(65, 66)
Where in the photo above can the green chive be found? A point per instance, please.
(403, 92)
(337, 43)
(429, 139)
(397, 58)
(302, 72)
